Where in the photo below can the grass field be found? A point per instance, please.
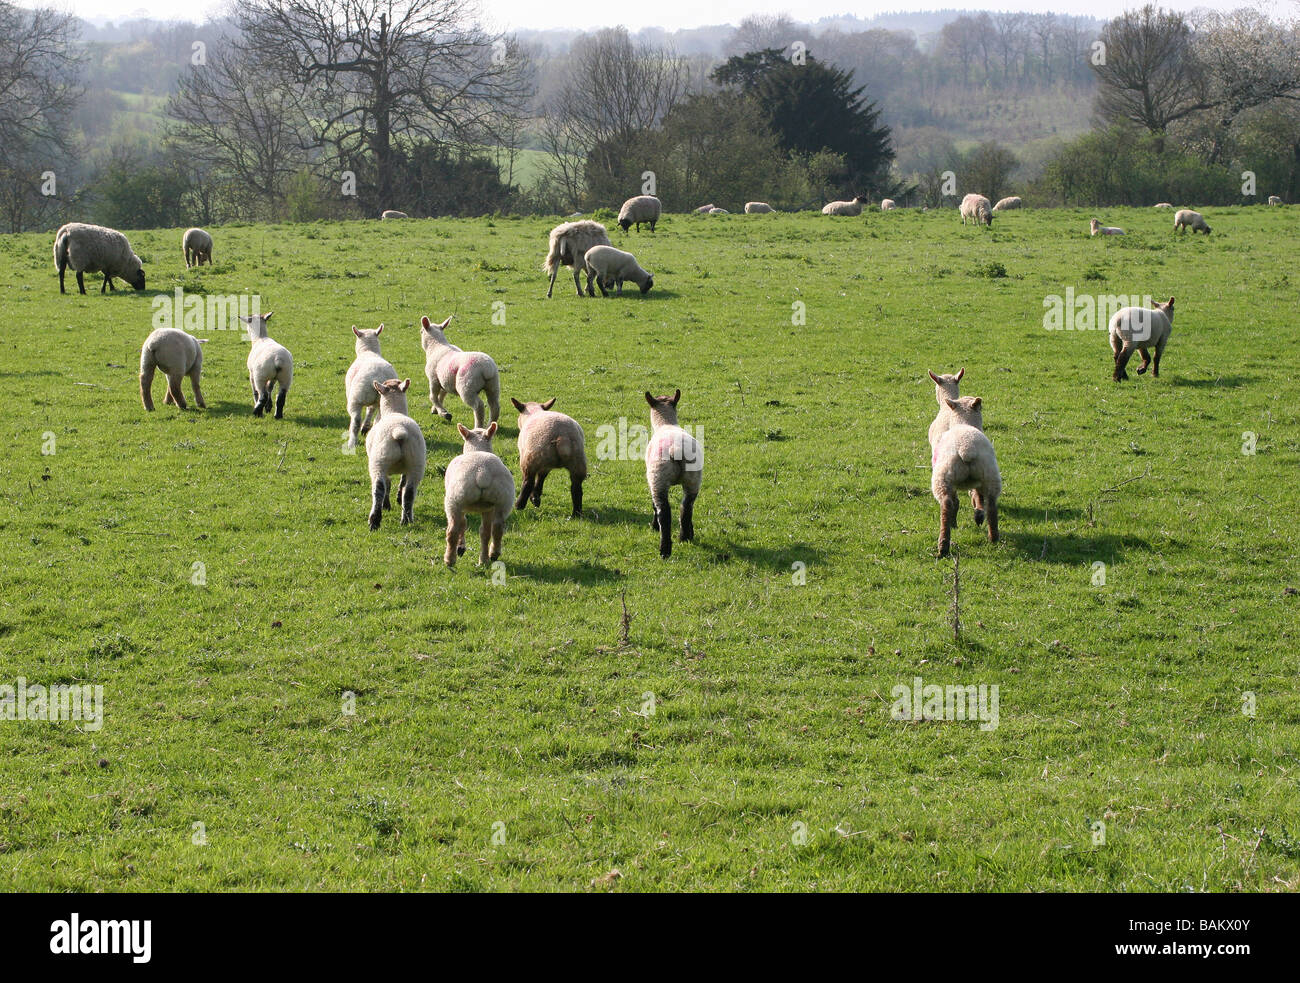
(502, 736)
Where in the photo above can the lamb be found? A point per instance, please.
(887, 204)
(610, 267)
(471, 375)
(94, 249)
(672, 457)
(977, 209)
(178, 355)
(758, 208)
(394, 446)
(642, 208)
(1097, 229)
(477, 481)
(705, 209)
(718, 211)
(568, 247)
(1162, 204)
(1274, 200)
(1007, 204)
(197, 246)
(549, 441)
(849, 208)
(392, 213)
(368, 368)
(268, 363)
(945, 387)
(964, 460)
(1140, 329)
(1185, 219)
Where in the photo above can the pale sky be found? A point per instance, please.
(673, 14)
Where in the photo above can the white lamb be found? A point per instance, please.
(704, 209)
(1185, 219)
(672, 457)
(394, 446)
(758, 208)
(477, 481)
(86, 248)
(368, 368)
(718, 211)
(610, 267)
(471, 375)
(178, 354)
(887, 204)
(568, 247)
(1097, 229)
(849, 208)
(945, 387)
(197, 246)
(1007, 204)
(269, 362)
(1162, 204)
(392, 213)
(964, 460)
(549, 441)
(642, 208)
(1139, 329)
(978, 209)
(1274, 200)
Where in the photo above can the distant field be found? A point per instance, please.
(502, 736)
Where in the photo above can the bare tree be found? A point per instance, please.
(762, 31)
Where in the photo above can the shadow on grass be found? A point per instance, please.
(1029, 512)
(576, 573)
(1218, 382)
(763, 557)
(1069, 548)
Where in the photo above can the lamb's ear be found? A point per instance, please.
(378, 388)
(355, 331)
(932, 376)
(443, 325)
(1171, 302)
(950, 404)
(379, 330)
(677, 397)
(406, 384)
(492, 429)
(246, 320)
(518, 405)
(549, 403)
(267, 315)
(979, 401)
(648, 398)
(425, 323)
(960, 373)
(463, 431)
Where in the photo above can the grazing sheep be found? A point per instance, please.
(392, 213)
(672, 457)
(269, 362)
(1139, 329)
(1185, 219)
(849, 208)
(758, 208)
(1097, 229)
(977, 209)
(964, 460)
(1274, 200)
(197, 246)
(887, 204)
(178, 355)
(705, 209)
(477, 481)
(368, 368)
(568, 247)
(549, 441)
(1007, 204)
(718, 211)
(610, 267)
(945, 387)
(94, 249)
(394, 446)
(642, 208)
(471, 375)
(1162, 204)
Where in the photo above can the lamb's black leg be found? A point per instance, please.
(379, 494)
(537, 490)
(688, 518)
(81, 282)
(575, 492)
(524, 493)
(279, 403)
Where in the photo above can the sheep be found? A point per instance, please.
(705, 209)
(471, 375)
(887, 204)
(1274, 200)
(849, 208)
(477, 481)
(1007, 204)
(642, 208)
(268, 363)
(758, 208)
(1097, 229)
(366, 369)
(964, 460)
(718, 211)
(568, 246)
(977, 209)
(549, 441)
(392, 213)
(394, 446)
(1162, 204)
(610, 267)
(95, 249)
(672, 457)
(197, 246)
(178, 355)
(1140, 329)
(1185, 219)
(945, 387)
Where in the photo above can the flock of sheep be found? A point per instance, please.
(477, 480)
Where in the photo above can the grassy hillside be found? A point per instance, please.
(502, 735)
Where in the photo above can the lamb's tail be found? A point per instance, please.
(61, 252)
(398, 433)
(553, 255)
(482, 479)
